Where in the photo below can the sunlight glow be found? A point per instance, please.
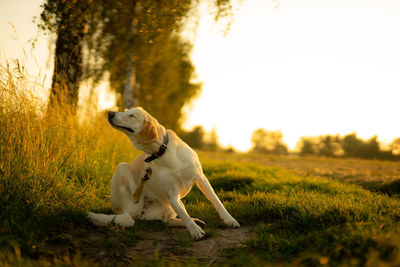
(306, 68)
(107, 98)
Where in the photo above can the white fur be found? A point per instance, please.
(100, 219)
(173, 176)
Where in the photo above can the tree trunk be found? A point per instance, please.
(68, 66)
(130, 88)
(130, 94)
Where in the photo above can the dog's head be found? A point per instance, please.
(136, 123)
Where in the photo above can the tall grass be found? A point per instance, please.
(52, 162)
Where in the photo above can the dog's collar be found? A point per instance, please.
(160, 152)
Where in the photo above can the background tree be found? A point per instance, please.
(194, 138)
(268, 142)
(211, 143)
(132, 30)
(355, 147)
(308, 146)
(371, 148)
(165, 79)
(351, 145)
(347, 146)
(123, 37)
(69, 21)
(395, 146)
(324, 145)
(329, 146)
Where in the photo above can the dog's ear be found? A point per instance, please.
(148, 132)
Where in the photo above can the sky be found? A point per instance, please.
(306, 68)
(17, 33)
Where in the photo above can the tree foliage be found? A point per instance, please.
(136, 42)
(195, 137)
(355, 147)
(347, 146)
(268, 142)
(200, 139)
(395, 146)
(308, 146)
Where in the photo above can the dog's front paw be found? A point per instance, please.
(196, 232)
(230, 221)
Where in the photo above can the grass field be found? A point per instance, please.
(293, 211)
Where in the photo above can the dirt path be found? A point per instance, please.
(114, 245)
(176, 244)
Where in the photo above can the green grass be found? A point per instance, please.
(53, 169)
(302, 219)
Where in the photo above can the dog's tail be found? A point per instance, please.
(101, 219)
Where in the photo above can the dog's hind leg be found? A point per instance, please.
(123, 186)
(101, 219)
(121, 200)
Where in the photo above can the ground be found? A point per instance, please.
(148, 242)
(292, 210)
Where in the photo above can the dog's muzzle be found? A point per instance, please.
(111, 115)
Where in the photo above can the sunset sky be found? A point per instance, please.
(305, 67)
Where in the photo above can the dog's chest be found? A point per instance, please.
(166, 179)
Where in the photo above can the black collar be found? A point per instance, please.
(160, 152)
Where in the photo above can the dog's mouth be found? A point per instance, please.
(121, 127)
(126, 128)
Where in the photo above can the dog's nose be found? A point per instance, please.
(111, 114)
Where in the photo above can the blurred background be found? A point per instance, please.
(274, 77)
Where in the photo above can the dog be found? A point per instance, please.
(152, 186)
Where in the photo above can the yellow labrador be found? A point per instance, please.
(151, 187)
